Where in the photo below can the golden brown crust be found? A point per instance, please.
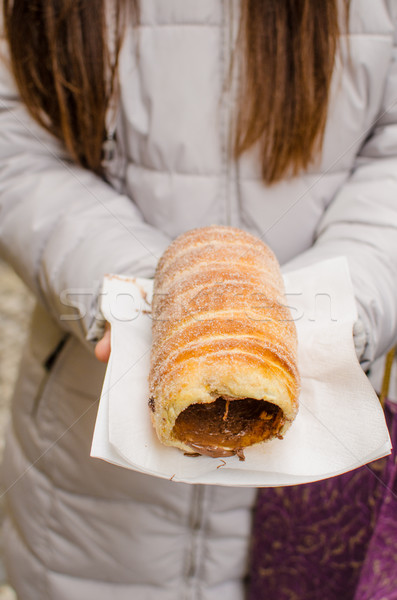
(222, 333)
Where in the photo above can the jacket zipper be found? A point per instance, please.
(225, 107)
(230, 9)
(196, 522)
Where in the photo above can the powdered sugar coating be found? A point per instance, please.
(221, 327)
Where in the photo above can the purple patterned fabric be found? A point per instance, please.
(330, 540)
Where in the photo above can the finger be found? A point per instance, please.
(102, 349)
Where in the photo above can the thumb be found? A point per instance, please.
(102, 349)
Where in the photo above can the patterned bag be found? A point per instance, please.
(330, 540)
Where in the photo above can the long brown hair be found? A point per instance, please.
(288, 50)
(66, 74)
(64, 55)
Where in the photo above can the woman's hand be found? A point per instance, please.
(102, 349)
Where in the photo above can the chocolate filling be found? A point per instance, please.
(226, 426)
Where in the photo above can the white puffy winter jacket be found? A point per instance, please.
(80, 528)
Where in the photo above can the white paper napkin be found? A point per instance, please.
(340, 424)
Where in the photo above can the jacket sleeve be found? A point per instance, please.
(62, 227)
(361, 223)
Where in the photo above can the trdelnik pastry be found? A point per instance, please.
(224, 372)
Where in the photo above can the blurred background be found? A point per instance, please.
(16, 304)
